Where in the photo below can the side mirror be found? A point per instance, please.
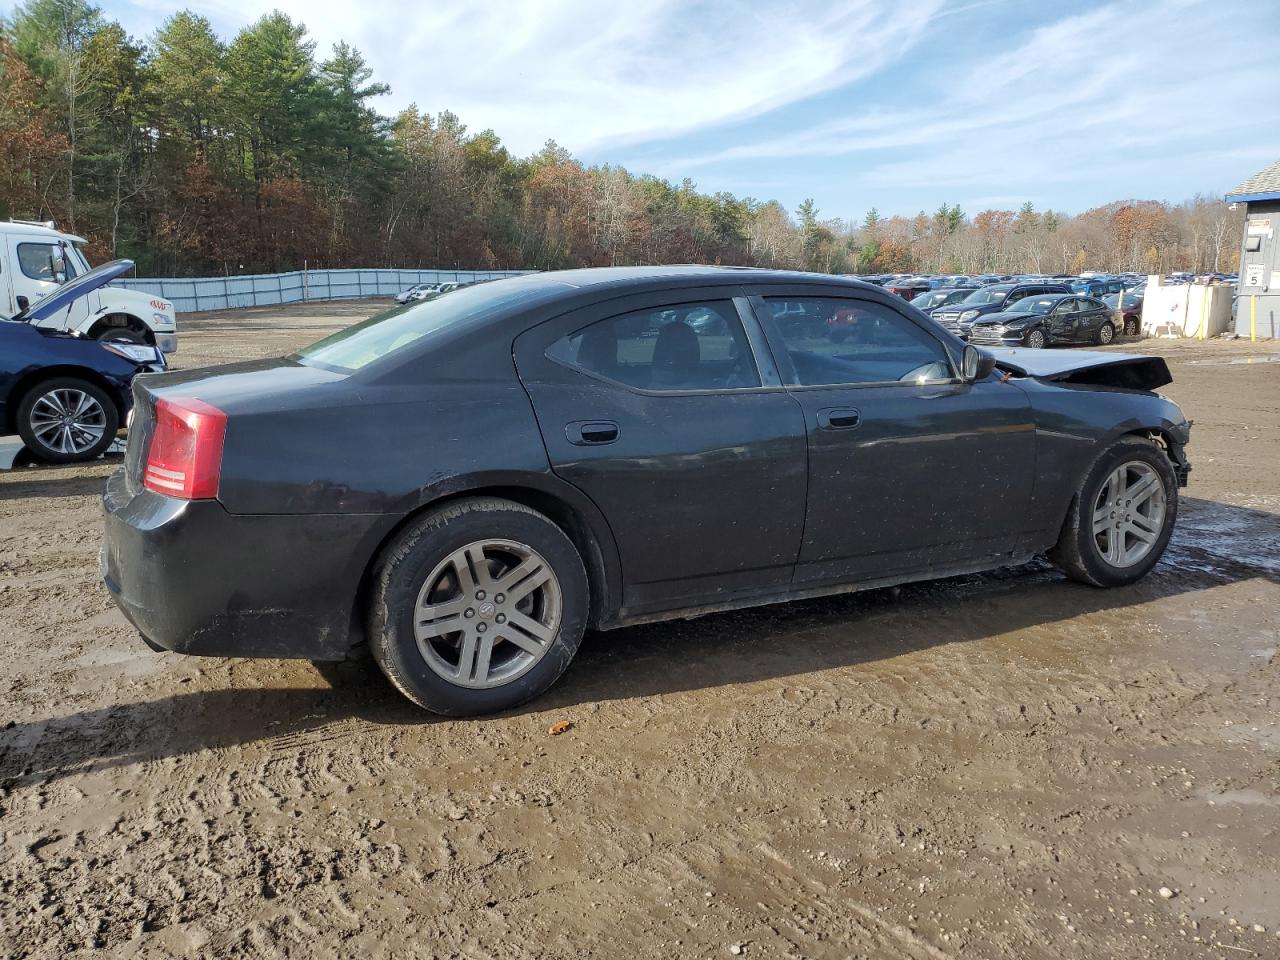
(59, 266)
(976, 364)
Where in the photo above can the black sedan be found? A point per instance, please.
(464, 486)
(1041, 321)
(995, 298)
(66, 395)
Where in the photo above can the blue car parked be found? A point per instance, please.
(64, 394)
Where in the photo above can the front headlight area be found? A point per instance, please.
(136, 352)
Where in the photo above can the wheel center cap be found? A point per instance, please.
(485, 610)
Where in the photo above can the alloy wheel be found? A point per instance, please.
(68, 421)
(1106, 333)
(1035, 339)
(1129, 513)
(487, 613)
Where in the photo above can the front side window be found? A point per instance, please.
(833, 340)
(36, 260)
(689, 346)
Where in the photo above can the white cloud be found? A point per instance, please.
(592, 74)
(1090, 95)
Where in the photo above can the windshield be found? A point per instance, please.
(1033, 305)
(987, 295)
(419, 320)
(934, 299)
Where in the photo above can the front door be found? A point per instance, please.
(1063, 321)
(38, 266)
(910, 468)
(657, 408)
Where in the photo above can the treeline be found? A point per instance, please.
(195, 156)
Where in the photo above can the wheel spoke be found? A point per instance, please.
(81, 401)
(432, 615)
(1141, 533)
(528, 633)
(479, 565)
(522, 588)
(1115, 545)
(1101, 517)
(1142, 490)
(484, 653)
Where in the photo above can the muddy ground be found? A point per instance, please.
(1002, 766)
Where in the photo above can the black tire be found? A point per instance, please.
(1077, 552)
(42, 450)
(1131, 327)
(1106, 333)
(1035, 339)
(121, 335)
(403, 569)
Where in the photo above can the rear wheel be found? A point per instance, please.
(1035, 339)
(67, 419)
(477, 607)
(1106, 333)
(1131, 327)
(1122, 517)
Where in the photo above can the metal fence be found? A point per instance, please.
(189, 295)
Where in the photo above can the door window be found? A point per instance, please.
(688, 346)
(832, 340)
(36, 262)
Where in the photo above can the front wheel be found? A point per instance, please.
(478, 606)
(1036, 339)
(67, 419)
(1122, 516)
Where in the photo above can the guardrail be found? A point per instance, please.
(193, 294)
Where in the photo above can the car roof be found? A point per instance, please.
(641, 278)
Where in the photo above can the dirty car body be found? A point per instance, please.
(694, 433)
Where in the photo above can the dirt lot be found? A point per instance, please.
(998, 766)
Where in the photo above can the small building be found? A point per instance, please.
(1258, 309)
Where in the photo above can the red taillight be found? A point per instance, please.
(185, 456)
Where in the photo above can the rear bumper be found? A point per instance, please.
(195, 579)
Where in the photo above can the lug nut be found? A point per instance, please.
(468, 612)
(501, 618)
(479, 594)
(499, 598)
(481, 627)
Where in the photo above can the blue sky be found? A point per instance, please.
(890, 104)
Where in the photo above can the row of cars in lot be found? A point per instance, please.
(431, 291)
(1029, 311)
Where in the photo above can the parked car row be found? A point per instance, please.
(429, 291)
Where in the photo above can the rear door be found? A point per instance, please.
(662, 410)
(910, 468)
(1090, 318)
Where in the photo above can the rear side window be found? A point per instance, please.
(833, 340)
(690, 346)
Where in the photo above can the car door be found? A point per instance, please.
(662, 411)
(1089, 317)
(1062, 319)
(910, 468)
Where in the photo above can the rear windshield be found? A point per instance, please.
(412, 324)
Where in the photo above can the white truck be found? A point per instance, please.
(36, 257)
